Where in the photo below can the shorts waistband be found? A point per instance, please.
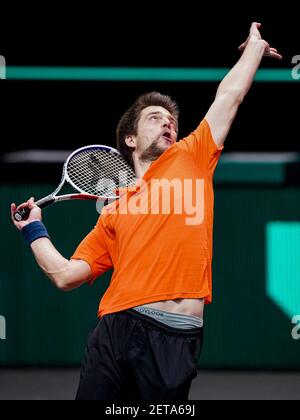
(171, 319)
(153, 323)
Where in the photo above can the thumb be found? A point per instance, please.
(255, 28)
(255, 25)
(31, 203)
(13, 208)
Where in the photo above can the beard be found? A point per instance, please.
(153, 152)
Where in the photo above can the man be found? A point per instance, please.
(149, 336)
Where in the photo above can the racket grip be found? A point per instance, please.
(23, 213)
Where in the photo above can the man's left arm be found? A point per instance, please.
(234, 87)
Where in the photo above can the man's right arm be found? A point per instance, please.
(65, 274)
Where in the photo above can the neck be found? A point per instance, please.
(141, 167)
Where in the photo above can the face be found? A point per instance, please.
(157, 131)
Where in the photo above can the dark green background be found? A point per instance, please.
(243, 327)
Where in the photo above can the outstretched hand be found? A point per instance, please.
(255, 34)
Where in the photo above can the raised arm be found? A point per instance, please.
(234, 87)
(65, 274)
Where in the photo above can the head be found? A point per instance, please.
(148, 128)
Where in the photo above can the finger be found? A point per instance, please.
(31, 203)
(243, 46)
(21, 206)
(254, 30)
(274, 55)
(245, 43)
(13, 209)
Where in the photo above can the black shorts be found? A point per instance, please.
(130, 356)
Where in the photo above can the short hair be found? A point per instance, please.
(128, 123)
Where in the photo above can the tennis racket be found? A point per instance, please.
(95, 172)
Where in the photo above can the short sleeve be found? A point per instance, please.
(202, 146)
(95, 249)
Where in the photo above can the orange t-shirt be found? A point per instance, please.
(160, 250)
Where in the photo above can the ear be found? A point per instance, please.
(130, 141)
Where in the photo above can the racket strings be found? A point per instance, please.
(99, 172)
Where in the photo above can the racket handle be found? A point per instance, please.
(23, 213)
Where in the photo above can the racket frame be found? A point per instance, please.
(81, 195)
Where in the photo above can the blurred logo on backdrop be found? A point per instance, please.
(296, 329)
(2, 67)
(2, 328)
(296, 69)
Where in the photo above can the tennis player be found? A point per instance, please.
(150, 330)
